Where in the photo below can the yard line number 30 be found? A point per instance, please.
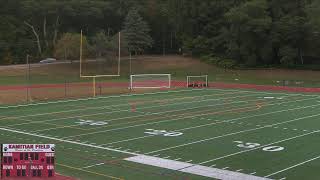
(249, 145)
(163, 133)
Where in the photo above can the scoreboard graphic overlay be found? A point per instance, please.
(27, 160)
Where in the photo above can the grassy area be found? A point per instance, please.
(178, 66)
(264, 134)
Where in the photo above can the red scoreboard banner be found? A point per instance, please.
(27, 160)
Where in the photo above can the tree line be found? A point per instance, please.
(225, 32)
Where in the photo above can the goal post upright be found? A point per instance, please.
(119, 53)
(81, 53)
(98, 75)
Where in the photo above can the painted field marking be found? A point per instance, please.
(192, 169)
(116, 119)
(178, 119)
(294, 166)
(142, 94)
(92, 108)
(91, 172)
(97, 98)
(66, 118)
(117, 111)
(234, 133)
(67, 141)
(158, 122)
(104, 107)
(99, 164)
(240, 152)
(150, 107)
(219, 89)
(210, 124)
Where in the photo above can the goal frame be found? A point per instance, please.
(200, 76)
(149, 87)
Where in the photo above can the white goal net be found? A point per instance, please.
(148, 81)
(197, 81)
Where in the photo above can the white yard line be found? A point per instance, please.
(249, 150)
(99, 164)
(220, 89)
(210, 124)
(171, 120)
(152, 93)
(96, 98)
(127, 117)
(67, 141)
(104, 107)
(231, 134)
(95, 107)
(294, 166)
(117, 111)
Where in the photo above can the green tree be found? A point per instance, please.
(136, 32)
(248, 26)
(68, 46)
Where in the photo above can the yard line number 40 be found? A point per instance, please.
(249, 145)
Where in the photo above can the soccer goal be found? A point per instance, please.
(149, 81)
(197, 81)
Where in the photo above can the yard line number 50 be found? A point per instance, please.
(249, 145)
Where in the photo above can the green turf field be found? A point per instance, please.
(255, 134)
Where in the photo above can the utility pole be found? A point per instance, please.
(28, 79)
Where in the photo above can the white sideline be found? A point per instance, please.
(162, 92)
(192, 169)
(95, 98)
(69, 141)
